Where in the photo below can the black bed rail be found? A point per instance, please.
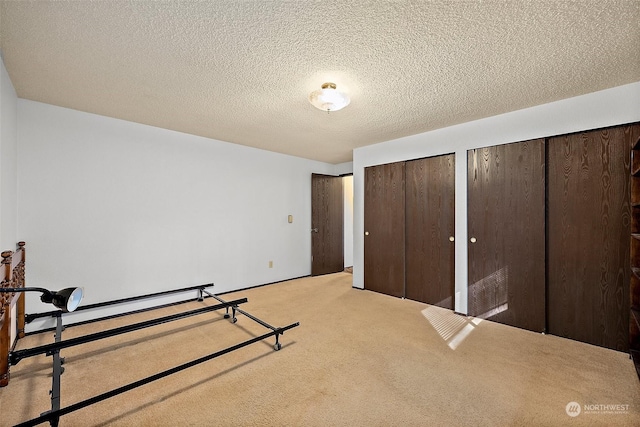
(235, 308)
(31, 317)
(112, 316)
(49, 349)
(53, 416)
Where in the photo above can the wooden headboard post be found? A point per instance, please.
(11, 276)
(5, 318)
(18, 275)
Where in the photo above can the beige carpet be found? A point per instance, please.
(357, 359)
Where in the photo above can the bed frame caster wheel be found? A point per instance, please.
(226, 316)
(277, 346)
(234, 320)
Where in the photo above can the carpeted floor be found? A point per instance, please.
(357, 359)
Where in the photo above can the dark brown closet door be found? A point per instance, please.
(506, 226)
(588, 236)
(384, 229)
(327, 224)
(430, 226)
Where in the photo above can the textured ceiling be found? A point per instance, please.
(240, 71)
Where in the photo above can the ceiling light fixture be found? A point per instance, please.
(328, 98)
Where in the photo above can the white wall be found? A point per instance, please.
(125, 209)
(600, 109)
(347, 185)
(8, 162)
(343, 168)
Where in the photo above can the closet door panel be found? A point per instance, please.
(506, 227)
(430, 222)
(384, 218)
(588, 229)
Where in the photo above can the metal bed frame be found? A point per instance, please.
(53, 416)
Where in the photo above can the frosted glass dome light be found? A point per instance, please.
(329, 98)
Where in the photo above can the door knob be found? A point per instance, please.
(366, 233)
(314, 230)
(451, 238)
(473, 240)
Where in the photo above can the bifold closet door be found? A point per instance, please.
(430, 226)
(384, 229)
(588, 236)
(506, 228)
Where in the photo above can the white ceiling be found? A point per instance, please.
(241, 71)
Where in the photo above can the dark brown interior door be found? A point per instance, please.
(430, 226)
(327, 217)
(588, 236)
(384, 229)
(506, 226)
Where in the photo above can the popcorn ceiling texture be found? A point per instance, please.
(241, 71)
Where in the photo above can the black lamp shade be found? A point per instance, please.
(67, 299)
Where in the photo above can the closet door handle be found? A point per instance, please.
(473, 240)
(452, 239)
